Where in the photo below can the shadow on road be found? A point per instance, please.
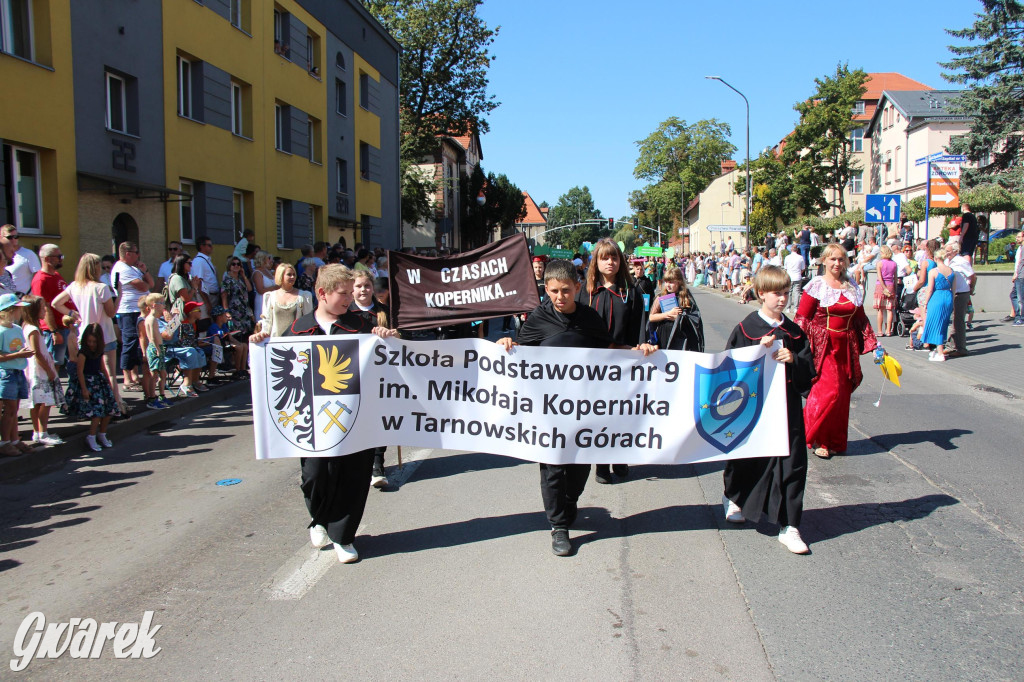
(37, 507)
(450, 465)
(833, 522)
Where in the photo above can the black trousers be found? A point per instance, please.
(335, 489)
(560, 488)
(960, 303)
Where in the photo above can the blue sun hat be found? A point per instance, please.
(11, 301)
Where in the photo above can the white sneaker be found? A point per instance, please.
(378, 481)
(101, 438)
(733, 513)
(90, 442)
(50, 439)
(318, 536)
(347, 554)
(790, 537)
(937, 357)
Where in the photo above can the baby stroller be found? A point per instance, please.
(906, 302)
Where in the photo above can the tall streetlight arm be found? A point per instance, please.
(747, 102)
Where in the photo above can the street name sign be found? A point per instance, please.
(882, 208)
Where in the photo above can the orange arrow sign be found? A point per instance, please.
(945, 193)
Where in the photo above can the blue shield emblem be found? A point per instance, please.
(727, 401)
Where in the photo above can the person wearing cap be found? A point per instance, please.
(13, 384)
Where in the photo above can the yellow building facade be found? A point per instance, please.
(37, 129)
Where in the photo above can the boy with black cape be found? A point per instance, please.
(563, 322)
(774, 486)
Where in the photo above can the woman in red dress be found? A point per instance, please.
(831, 313)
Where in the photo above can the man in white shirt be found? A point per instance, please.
(730, 245)
(22, 262)
(202, 267)
(963, 284)
(774, 258)
(167, 267)
(795, 265)
(132, 281)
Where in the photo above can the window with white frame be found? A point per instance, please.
(186, 212)
(117, 105)
(238, 212)
(896, 163)
(858, 107)
(857, 140)
(237, 124)
(16, 28)
(857, 182)
(184, 87)
(280, 224)
(23, 191)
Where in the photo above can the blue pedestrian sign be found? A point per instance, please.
(882, 208)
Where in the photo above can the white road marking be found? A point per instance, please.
(302, 570)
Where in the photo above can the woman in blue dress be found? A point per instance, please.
(939, 293)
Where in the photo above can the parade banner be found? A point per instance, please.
(326, 396)
(492, 281)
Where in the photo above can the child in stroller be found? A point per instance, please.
(906, 304)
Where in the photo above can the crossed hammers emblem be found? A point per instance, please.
(333, 416)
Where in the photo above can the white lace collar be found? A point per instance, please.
(828, 296)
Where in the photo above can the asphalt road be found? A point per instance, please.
(916, 567)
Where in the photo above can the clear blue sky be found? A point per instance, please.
(579, 82)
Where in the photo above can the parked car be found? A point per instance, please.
(999, 234)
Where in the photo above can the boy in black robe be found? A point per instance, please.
(561, 321)
(774, 486)
(335, 488)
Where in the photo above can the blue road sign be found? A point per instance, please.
(882, 208)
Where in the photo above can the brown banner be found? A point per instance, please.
(492, 281)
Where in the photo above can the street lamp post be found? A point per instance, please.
(747, 102)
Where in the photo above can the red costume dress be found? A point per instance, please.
(839, 332)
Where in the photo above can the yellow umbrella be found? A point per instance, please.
(891, 369)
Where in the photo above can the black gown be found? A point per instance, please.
(623, 312)
(774, 486)
(562, 485)
(335, 488)
(686, 332)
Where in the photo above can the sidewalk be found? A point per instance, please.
(993, 364)
(139, 418)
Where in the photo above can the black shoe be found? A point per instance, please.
(603, 474)
(620, 470)
(560, 542)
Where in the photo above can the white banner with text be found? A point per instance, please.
(324, 396)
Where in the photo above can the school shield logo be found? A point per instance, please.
(313, 391)
(727, 401)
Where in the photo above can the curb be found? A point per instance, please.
(44, 460)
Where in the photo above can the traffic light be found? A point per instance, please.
(636, 223)
(611, 224)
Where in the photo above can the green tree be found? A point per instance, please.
(575, 206)
(443, 73)
(504, 206)
(991, 65)
(678, 158)
(762, 214)
(819, 152)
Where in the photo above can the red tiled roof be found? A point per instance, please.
(876, 83)
(534, 214)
